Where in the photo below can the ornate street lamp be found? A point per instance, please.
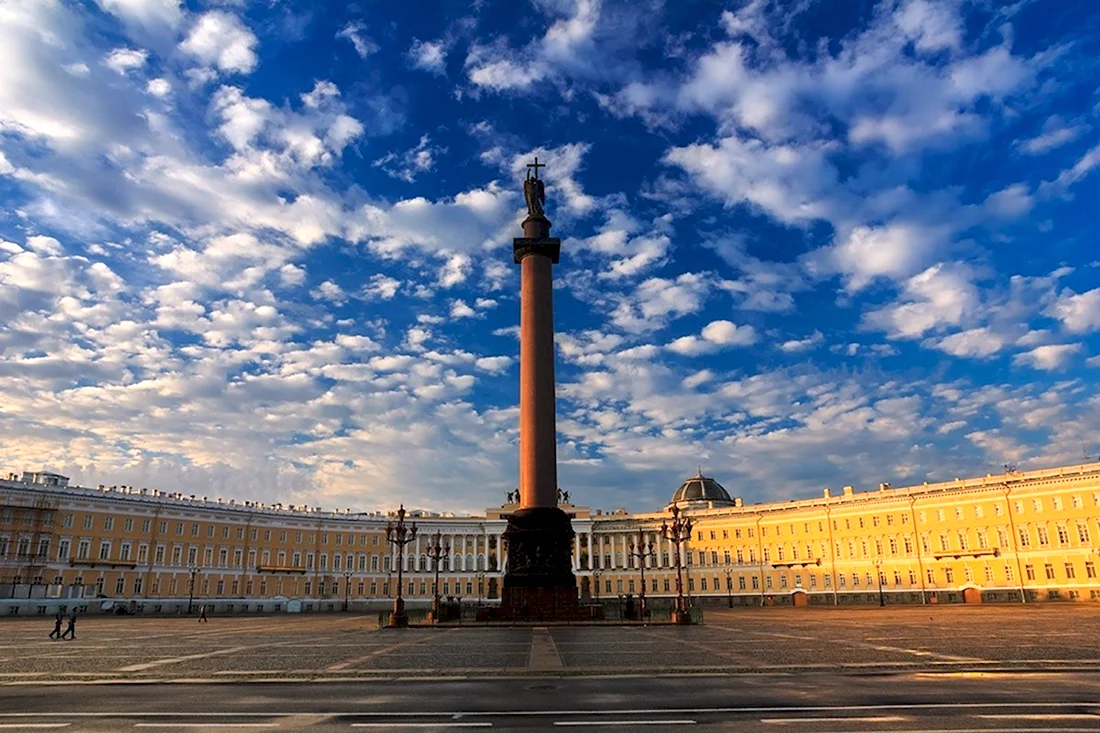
(480, 582)
(878, 570)
(194, 570)
(596, 577)
(347, 588)
(399, 535)
(729, 585)
(642, 550)
(678, 532)
(438, 552)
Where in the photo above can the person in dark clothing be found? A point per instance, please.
(202, 614)
(70, 630)
(56, 633)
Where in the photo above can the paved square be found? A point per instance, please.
(736, 641)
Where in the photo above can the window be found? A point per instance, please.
(120, 585)
(983, 539)
(1037, 505)
(1029, 572)
(124, 551)
(128, 525)
(1083, 534)
(978, 511)
(963, 541)
(88, 521)
(930, 574)
(1071, 573)
(1043, 537)
(210, 532)
(939, 515)
(1090, 569)
(1063, 535)
(949, 575)
(1009, 576)
(998, 510)
(890, 520)
(158, 555)
(874, 521)
(146, 525)
(194, 529)
(1077, 501)
(240, 533)
(1049, 568)
(67, 521)
(104, 550)
(108, 523)
(225, 533)
(725, 534)
(1025, 538)
(958, 512)
(712, 535)
(1057, 501)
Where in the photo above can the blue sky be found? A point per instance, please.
(261, 249)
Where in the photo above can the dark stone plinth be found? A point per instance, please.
(539, 584)
(548, 246)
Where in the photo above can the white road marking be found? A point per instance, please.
(1039, 716)
(422, 725)
(34, 725)
(206, 725)
(623, 722)
(866, 719)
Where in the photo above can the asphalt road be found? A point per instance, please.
(818, 703)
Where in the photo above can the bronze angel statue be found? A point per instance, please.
(534, 193)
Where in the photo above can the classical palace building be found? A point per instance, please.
(1014, 537)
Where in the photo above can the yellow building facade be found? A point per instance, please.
(1018, 537)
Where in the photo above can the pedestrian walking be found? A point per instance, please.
(57, 619)
(70, 630)
(202, 614)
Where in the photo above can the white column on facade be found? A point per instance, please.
(576, 553)
(591, 555)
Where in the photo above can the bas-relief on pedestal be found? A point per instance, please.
(539, 584)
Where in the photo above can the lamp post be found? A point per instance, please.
(438, 552)
(678, 532)
(347, 588)
(399, 534)
(878, 571)
(480, 583)
(729, 585)
(596, 580)
(642, 550)
(194, 570)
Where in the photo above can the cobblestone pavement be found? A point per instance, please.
(334, 647)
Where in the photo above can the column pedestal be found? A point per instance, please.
(539, 585)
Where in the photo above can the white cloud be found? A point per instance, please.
(972, 343)
(894, 251)
(292, 275)
(429, 56)
(221, 39)
(356, 33)
(935, 299)
(494, 364)
(1055, 134)
(159, 87)
(657, 299)
(148, 14)
(797, 346)
(382, 287)
(1048, 358)
(460, 309)
(330, 291)
(455, 270)
(411, 163)
(1078, 312)
(122, 60)
(715, 336)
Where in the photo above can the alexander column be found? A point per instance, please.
(539, 583)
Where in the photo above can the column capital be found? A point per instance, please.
(546, 246)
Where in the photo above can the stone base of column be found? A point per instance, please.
(539, 584)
